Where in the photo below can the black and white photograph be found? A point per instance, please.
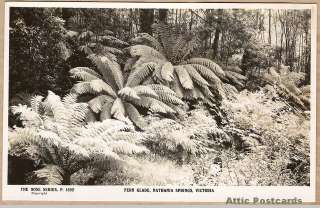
(159, 97)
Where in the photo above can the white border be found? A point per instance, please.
(115, 193)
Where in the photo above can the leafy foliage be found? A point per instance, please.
(56, 135)
(167, 59)
(115, 98)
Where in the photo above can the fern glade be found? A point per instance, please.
(62, 143)
(119, 98)
(168, 62)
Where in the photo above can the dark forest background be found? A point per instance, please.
(254, 40)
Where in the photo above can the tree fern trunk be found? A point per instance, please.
(66, 179)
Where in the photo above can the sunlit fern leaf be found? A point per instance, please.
(82, 88)
(146, 51)
(95, 129)
(147, 39)
(97, 102)
(134, 115)
(118, 110)
(85, 69)
(139, 74)
(70, 99)
(210, 64)
(195, 76)
(167, 71)
(205, 72)
(176, 86)
(114, 69)
(160, 107)
(162, 89)
(169, 98)
(184, 77)
(79, 113)
(85, 76)
(128, 93)
(124, 147)
(103, 69)
(99, 85)
(145, 90)
(106, 111)
(144, 102)
(35, 102)
(26, 115)
(48, 175)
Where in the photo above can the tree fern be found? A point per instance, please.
(69, 144)
(171, 65)
(123, 101)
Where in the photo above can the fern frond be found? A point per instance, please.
(118, 110)
(146, 39)
(184, 77)
(146, 51)
(128, 93)
(70, 99)
(206, 73)
(176, 86)
(48, 175)
(82, 88)
(112, 50)
(113, 41)
(115, 69)
(35, 102)
(99, 85)
(140, 73)
(130, 63)
(97, 102)
(106, 111)
(124, 147)
(104, 69)
(160, 107)
(167, 71)
(134, 115)
(158, 88)
(85, 69)
(195, 76)
(210, 64)
(84, 74)
(164, 32)
(145, 90)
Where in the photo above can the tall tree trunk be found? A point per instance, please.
(163, 16)
(191, 20)
(269, 39)
(146, 20)
(215, 44)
